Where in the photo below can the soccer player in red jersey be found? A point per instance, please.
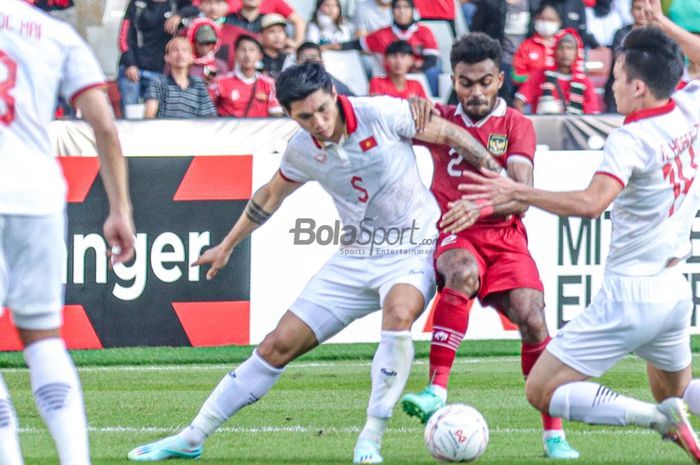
(488, 260)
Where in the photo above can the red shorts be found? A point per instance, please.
(501, 253)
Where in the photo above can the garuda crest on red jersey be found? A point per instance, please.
(497, 144)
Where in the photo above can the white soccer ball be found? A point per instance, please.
(456, 433)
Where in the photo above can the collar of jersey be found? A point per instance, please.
(650, 112)
(404, 35)
(244, 78)
(348, 114)
(499, 109)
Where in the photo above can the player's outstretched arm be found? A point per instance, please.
(119, 226)
(260, 208)
(588, 203)
(441, 131)
(689, 42)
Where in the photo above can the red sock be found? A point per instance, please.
(528, 356)
(450, 322)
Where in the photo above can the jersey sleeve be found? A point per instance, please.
(283, 8)
(688, 98)
(373, 42)
(521, 139)
(397, 116)
(428, 42)
(622, 155)
(80, 69)
(292, 166)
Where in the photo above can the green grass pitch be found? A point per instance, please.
(312, 416)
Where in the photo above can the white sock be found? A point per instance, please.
(59, 399)
(390, 369)
(691, 396)
(10, 453)
(374, 429)
(595, 404)
(243, 386)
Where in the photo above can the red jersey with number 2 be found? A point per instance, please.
(507, 135)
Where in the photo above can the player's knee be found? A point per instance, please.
(464, 279)
(536, 394)
(276, 349)
(531, 322)
(398, 317)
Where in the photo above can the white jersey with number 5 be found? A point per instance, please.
(40, 57)
(655, 157)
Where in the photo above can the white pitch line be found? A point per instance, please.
(334, 430)
(293, 365)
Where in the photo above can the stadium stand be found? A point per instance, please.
(344, 66)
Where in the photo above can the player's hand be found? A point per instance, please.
(132, 73)
(422, 110)
(217, 257)
(489, 188)
(119, 232)
(652, 11)
(461, 214)
(172, 24)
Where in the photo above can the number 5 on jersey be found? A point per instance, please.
(8, 79)
(356, 182)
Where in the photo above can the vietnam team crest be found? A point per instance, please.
(498, 144)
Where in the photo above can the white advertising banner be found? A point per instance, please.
(570, 253)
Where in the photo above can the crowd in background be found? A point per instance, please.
(203, 58)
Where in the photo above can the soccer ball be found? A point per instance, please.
(456, 433)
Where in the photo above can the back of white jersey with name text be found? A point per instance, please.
(40, 58)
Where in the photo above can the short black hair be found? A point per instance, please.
(398, 46)
(544, 5)
(307, 46)
(299, 81)
(475, 47)
(394, 2)
(245, 37)
(654, 58)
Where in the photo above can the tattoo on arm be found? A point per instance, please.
(472, 151)
(256, 214)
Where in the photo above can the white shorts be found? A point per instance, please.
(647, 315)
(347, 288)
(31, 269)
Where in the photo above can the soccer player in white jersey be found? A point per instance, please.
(41, 57)
(359, 150)
(649, 170)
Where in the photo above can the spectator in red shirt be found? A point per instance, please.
(245, 93)
(536, 52)
(203, 34)
(248, 13)
(563, 88)
(404, 27)
(398, 60)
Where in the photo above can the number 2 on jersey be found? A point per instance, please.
(8, 79)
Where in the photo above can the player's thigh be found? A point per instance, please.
(34, 253)
(405, 285)
(595, 340)
(336, 295)
(458, 268)
(668, 355)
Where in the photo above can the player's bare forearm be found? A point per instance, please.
(689, 42)
(588, 203)
(264, 203)
(522, 173)
(441, 131)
